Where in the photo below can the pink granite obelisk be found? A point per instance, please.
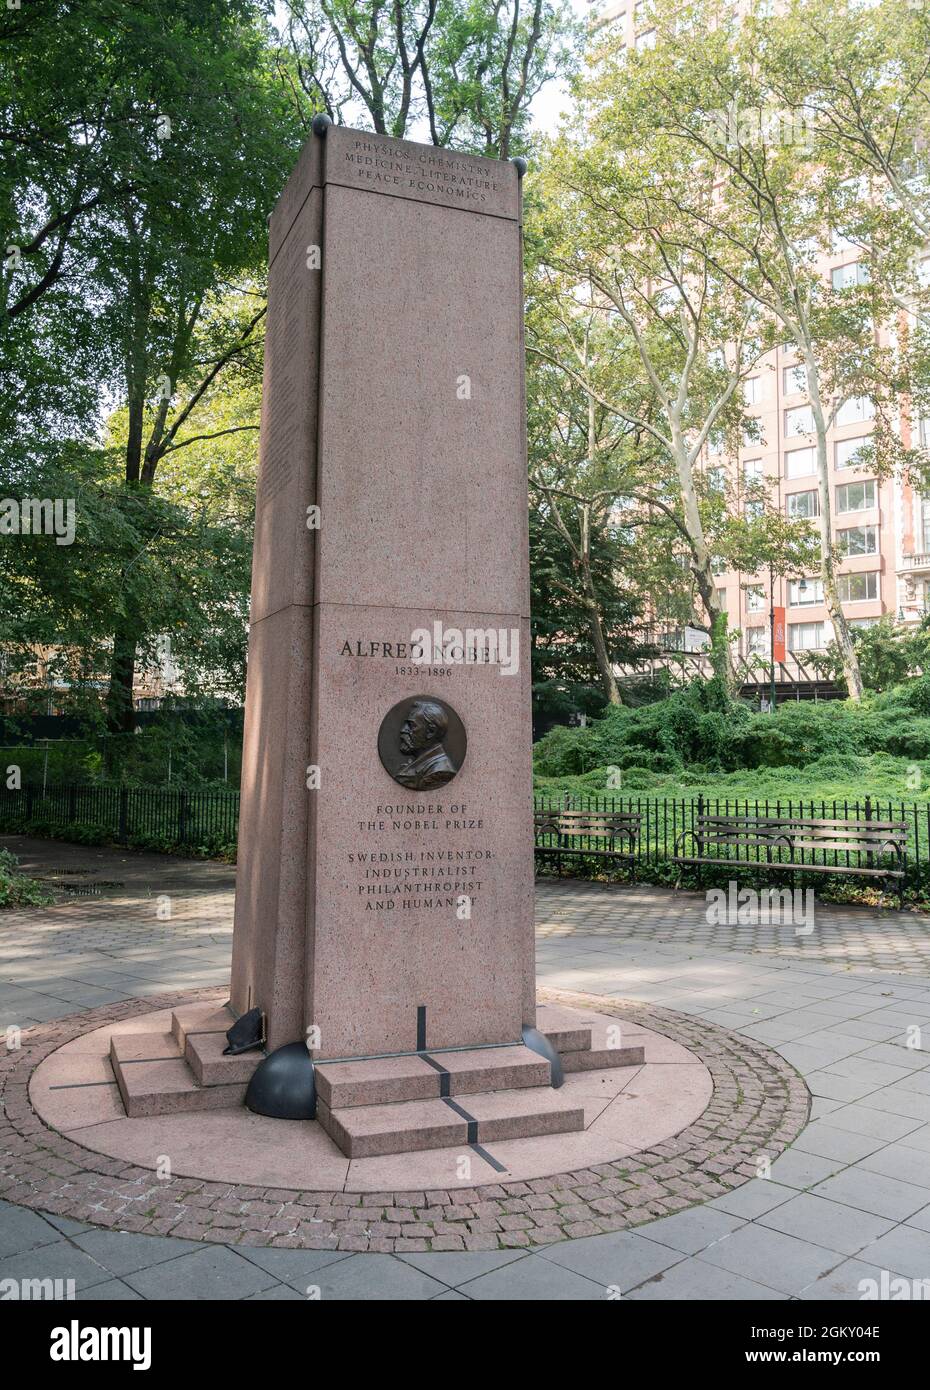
(385, 881)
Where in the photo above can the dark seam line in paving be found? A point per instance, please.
(79, 1085)
(472, 1136)
(489, 1158)
(134, 1061)
(444, 1075)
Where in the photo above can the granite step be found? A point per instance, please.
(203, 1053)
(600, 1059)
(582, 1045)
(371, 1131)
(200, 1018)
(565, 1028)
(428, 1076)
(154, 1079)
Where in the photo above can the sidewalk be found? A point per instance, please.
(849, 1200)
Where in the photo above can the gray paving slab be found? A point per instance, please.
(697, 1281)
(861, 1118)
(900, 1162)
(770, 1257)
(871, 1192)
(826, 1141)
(753, 1198)
(795, 1168)
(692, 1230)
(850, 1281)
(905, 1250)
(532, 1279)
(620, 1260)
(22, 1229)
(123, 1252)
(375, 1277)
(211, 1272)
(60, 1261)
(113, 1291)
(456, 1268)
(298, 1265)
(830, 1224)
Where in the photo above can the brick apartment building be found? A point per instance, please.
(881, 527)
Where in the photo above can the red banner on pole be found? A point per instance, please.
(778, 644)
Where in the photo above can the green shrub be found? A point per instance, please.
(16, 890)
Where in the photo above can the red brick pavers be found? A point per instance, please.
(758, 1107)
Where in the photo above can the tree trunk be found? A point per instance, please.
(720, 659)
(831, 596)
(121, 713)
(601, 655)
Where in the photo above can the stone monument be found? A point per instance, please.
(388, 906)
(384, 907)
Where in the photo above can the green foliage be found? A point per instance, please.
(693, 739)
(696, 724)
(16, 890)
(888, 652)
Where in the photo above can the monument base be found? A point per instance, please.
(372, 1107)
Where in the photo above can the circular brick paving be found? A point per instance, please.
(759, 1105)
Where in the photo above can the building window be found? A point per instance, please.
(857, 540)
(752, 390)
(752, 471)
(857, 588)
(647, 40)
(753, 509)
(808, 637)
(718, 564)
(757, 641)
(855, 410)
(803, 504)
(852, 273)
(847, 449)
(804, 592)
(799, 419)
(755, 598)
(862, 622)
(716, 479)
(856, 497)
(800, 463)
(793, 379)
(722, 600)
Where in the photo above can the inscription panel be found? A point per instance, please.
(426, 174)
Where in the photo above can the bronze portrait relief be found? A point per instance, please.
(421, 743)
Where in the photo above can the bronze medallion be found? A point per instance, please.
(422, 743)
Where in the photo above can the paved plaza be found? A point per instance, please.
(847, 1007)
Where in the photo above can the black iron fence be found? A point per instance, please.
(160, 816)
(656, 830)
(764, 835)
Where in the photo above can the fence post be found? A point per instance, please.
(182, 817)
(122, 833)
(869, 856)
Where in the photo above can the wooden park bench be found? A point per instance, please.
(865, 847)
(609, 835)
